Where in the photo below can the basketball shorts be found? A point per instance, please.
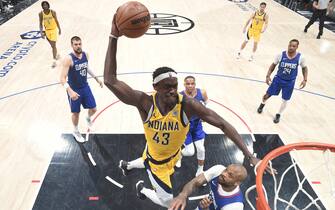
(195, 132)
(86, 99)
(52, 34)
(160, 174)
(278, 84)
(254, 34)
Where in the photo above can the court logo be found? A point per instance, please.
(31, 35)
(166, 24)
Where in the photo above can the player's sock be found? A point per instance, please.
(199, 170)
(137, 163)
(282, 106)
(89, 122)
(75, 128)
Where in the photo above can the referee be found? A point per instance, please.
(320, 11)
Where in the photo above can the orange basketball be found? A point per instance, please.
(132, 19)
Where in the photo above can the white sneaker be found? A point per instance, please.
(79, 138)
(251, 58)
(89, 122)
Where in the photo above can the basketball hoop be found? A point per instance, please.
(262, 202)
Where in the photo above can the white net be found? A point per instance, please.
(299, 186)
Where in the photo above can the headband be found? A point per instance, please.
(164, 76)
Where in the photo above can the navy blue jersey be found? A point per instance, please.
(220, 201)
(199, 98)
(288, 68)
(77, 76)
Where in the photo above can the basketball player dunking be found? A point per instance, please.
(48, 19)
(165, 116)
(259, 22)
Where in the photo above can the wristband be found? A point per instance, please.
(113, 37)
(66, 85)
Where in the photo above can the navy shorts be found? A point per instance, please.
(195, 133)
(286, 86)
(86, 99)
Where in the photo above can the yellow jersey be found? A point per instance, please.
(49, 21)
(165, 134)
(258, 21)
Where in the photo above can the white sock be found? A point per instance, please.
(152, 195)
(200, 168)
(137, 163)
(75, 128)
(282, 106)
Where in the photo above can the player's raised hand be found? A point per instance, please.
(178, 202)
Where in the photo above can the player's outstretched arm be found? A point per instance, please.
(123, 91)
(193, 107)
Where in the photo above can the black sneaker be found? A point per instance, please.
(277, 118)
(260, 108)
(305, 30)
(319, 36)
(139, 187)
(123, 166)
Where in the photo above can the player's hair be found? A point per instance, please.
(45, 2)
(263, 3)
(75, 38)
(161, 70)
(189, 77)
(294, 40)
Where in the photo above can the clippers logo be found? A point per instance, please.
(31, 35)
(165, 24)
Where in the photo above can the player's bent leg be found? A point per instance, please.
(163, 194)
(199, 144)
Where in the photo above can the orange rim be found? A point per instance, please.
(260, 200)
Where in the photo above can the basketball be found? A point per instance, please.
(132, 19)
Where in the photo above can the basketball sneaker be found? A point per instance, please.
(238, 55)
(79, 138)
(277, 118)
(123, 166)
(139, 188)
(260, 108)
(54, 64)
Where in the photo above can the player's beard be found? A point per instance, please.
(78, 51)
